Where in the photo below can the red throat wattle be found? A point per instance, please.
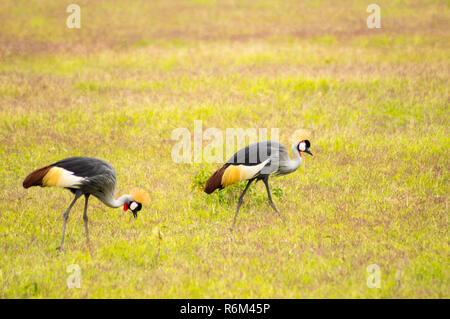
(125, 207)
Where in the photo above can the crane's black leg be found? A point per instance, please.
(85, 219)
(240, 203)
(266, 182)
(66, 217)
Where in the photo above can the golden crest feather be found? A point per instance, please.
(140, 196)
(300, 135)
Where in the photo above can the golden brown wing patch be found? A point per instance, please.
(53, 176)
(214, 182)
(35, 178)
(232, 174)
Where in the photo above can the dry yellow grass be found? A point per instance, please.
(375, 191)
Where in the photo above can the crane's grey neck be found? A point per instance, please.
(294, 164)
(114, 203)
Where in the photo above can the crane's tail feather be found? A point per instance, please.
(36, 177)
(215, 181)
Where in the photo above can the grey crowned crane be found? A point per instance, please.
(257, 162)
(86, 176)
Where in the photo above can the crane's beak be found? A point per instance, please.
(135, 214)
(308, 151)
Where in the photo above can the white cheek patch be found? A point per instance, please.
(302, 147)
(133, 205)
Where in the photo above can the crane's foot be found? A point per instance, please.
(89, 246)
(276, 211)
(282, 218)
(232, 226)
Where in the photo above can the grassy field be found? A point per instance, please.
(375, 192)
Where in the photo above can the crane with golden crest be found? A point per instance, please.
(86, 176)
(259, 161)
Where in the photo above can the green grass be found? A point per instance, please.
(375, 191)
